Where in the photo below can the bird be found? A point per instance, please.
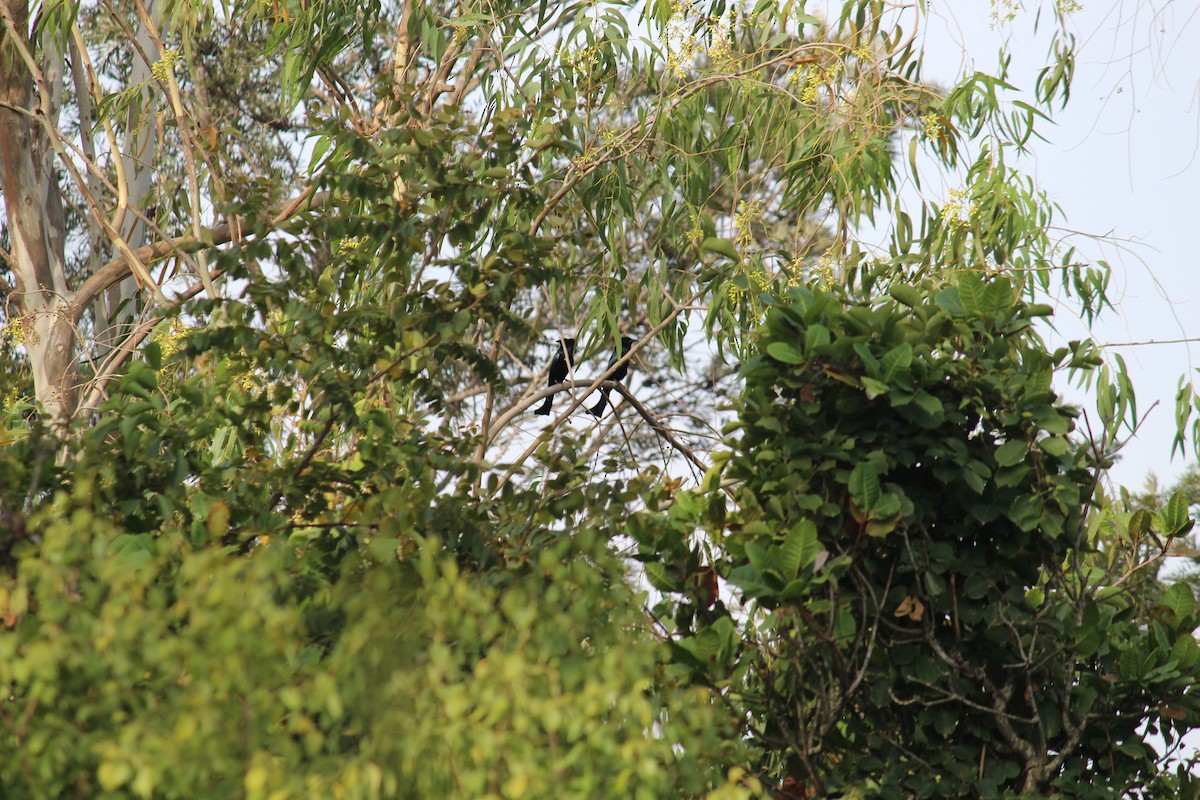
(560, 365)
(617, 375)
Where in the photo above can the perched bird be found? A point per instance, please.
(560, 365)
(618, 375)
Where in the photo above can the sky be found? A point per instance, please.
(1123, 162)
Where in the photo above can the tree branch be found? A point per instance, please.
(116, 269)
(108, 370)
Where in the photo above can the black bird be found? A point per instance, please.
(618, 375)
(559, 367)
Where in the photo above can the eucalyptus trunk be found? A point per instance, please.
(41, 299)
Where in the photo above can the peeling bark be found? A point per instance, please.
(41, 298)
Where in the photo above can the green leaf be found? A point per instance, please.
(1180, 600)
(1139, 522)
(816, 337)
(867, 357)
(657, 575)
(799, 549)
(998, 295)
(1054, 445)
(724, 247)
(887, 506)
(926, 410)
(750, 581)
(135, 550)
(844, 627)
(882, 527)
(873, 387)
(905, 294)
(1186, 651)
(113, 774)
(1026, 512)
(782, 351)
(864, 486)
(1011, 453)
(760, 558)
(949, 301)
(972, 292)
(896, 359)
(1175, 517)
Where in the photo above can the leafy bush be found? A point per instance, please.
(930, 612)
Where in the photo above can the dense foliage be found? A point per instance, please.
(933, 615)
(139, 666)
(275, 520)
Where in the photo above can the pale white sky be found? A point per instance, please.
(1123, 162)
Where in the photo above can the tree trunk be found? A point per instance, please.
(117, 307)
(42, 299)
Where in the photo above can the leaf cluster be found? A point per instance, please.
(926, 613)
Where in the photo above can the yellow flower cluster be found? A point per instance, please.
(1003, 12)
(695, 231)
(162, 68)
(810, 81)
(958, 210)
(14, 332)
(10, 400)
(810, 91)
(747, 214)
(680, 42)
(720, 53)
(933, 126)
(794, 270)
(350, 244)
(863, 52)
(583, 59)
(168, 338)
(827, 268)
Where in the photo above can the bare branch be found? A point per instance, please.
(116, 269)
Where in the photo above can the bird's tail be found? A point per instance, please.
(598, 409)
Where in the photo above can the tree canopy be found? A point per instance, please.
(277, 518)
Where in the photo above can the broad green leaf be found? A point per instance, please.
(873, 387)
(1140, 522)
(1012, 452)
(896, 359)
(864, 486)
(760, 558)
(929, 410)
(1180, 600)
(113, 774)
(887, 506)
(1175, 517)
(750, 581)
(782, 351)
(905, 294)
(972, 292)
(998, 295)
(1054, 445)
(799, 549)
(1186, 651)
(815, 337)
(949, 301)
